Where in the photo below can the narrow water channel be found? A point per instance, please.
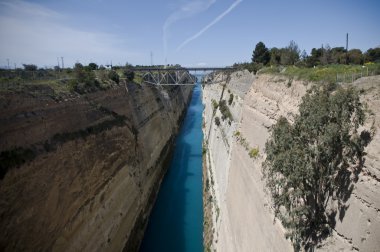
(176, 221)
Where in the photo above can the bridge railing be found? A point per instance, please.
(177, 75)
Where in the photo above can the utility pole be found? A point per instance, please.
(8, 63)
(58, 62)
(347, 48)
(62, 63)
(151, 58)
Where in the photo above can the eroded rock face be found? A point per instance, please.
(98, 160)
(241, 216)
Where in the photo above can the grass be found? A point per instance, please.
(321, 73)
(65, 82)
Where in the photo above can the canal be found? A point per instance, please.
(176, 221)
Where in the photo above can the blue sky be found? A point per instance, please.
(187, 32)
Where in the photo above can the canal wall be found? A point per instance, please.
(238, 213)
(81, 172)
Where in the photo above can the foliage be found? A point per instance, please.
(129, 74)
(217, 121)
(355, 56)
(226, 113)
(84, 80)
(30, 67)
(326, 73)
(254, 153)
(251, 67)
(231, 99)
(275, 56)
(113, 76)
(261, 54)
(290, 54)
(372, 55)
(307, 162)
(93, 66)
(215, 105)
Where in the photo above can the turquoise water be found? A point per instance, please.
(176, 221)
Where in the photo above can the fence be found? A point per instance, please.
(350, 77)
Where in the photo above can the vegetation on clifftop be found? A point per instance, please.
(314, 160)
(322, 64)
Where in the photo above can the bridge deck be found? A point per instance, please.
(176, 75)
(142, 69)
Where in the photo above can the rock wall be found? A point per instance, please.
(87, 168)
(238, 216)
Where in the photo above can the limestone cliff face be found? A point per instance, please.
(238, 216)
(89, 166)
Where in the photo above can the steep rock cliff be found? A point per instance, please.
(85, 169)
(238, 216)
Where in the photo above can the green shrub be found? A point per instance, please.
(237, 133)
(217, 121)
(254, 153)
(114, 76)
(129, 74)
(226, 113)
(214, 105)
(231, 99)
(73, 84)
(307, 162)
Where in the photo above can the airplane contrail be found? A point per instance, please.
(185, 11)
(204, 29)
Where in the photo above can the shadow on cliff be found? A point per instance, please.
(346, 179)
(175, 219)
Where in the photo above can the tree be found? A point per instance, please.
(275, 56)
(30, 67)
(372, 55)
(314, 58)
(326, 55)
(307, 162)
(261, 54)
(338, 55)
(80, 74)
(290, 54)
(92, 66)
(113, 76)
(129, 74)
(355, 56)
(303, 56)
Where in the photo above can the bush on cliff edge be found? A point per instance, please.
(313, 160)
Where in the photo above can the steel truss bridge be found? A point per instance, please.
(182, 75)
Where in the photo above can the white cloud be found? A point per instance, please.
(204, 29)
(30, 33)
